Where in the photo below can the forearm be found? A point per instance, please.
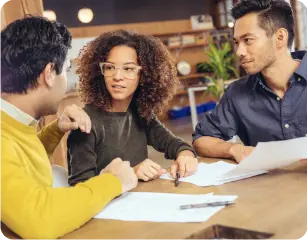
(47, 212)
(81, 156)
(81, 176)
(212, 147)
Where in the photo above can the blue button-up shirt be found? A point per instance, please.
(252, 111)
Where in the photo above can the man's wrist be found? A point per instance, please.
(230, 150)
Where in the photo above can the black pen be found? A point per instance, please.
(202, 205)
(177, 179)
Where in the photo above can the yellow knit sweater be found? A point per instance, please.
(30, 206)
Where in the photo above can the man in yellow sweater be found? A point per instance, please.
(33, 82)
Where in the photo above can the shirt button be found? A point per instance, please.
(287, 126)
(278, 98)
(299, 79)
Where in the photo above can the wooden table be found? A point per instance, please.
(275, 202)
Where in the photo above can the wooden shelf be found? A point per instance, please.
(194, 75)
(188, 46)
(183, 32)
(183, 91)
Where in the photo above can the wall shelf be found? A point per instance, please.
(194, 75)
(188, 46)
(184, 91)
(183, 32)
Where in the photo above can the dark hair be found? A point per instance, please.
(158, 77)
(272, 15)
(27, 46)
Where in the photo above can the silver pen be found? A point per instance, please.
(210, 204)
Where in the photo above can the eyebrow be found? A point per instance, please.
(245, 35)
(124, 63)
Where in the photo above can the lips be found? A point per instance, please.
(245, 62)
(118, 87)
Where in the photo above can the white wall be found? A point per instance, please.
(76, 45)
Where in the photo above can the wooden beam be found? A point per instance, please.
(2, 18)
(17, 9)
(159, 27)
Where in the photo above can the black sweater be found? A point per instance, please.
(113, 135)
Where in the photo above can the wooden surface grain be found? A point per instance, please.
(275, 202)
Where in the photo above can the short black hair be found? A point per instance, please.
(27, 46)
(272, 15)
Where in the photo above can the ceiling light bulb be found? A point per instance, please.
(50, 15)
(85, 15)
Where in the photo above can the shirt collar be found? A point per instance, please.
(17, 114)
(301, 70)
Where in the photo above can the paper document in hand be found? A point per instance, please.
(161, 207)
(265, 157)
(271, 155)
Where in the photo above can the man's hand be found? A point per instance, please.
(73, 118)
(304, 161)
(186, 163)
(239, 151)
(124, 172)
(148, 170)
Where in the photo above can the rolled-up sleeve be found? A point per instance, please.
(221, 123)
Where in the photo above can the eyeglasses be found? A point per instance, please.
(128, 71)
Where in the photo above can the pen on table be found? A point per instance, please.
(202, 205)
(177, 179)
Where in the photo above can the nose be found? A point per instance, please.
(241, 50)
(118, 75)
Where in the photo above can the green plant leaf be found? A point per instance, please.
(222, 62)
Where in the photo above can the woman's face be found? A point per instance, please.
(121, 73)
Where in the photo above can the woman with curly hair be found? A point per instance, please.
(125, 81)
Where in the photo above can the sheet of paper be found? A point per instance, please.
(161, 207)
(266, 156)
(206, 174)
(271, 155)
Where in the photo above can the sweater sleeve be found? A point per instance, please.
(35, 211)
(50, 136)
(81, 156)
(161, 139)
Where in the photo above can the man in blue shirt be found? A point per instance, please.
(270, 103)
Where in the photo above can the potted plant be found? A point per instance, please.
(222, 64)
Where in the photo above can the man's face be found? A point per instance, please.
(59, 88)
(255, 50)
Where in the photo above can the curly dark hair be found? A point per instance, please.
(27, 46)
(158, 77)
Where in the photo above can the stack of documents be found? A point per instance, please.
(265, 157)
(161, 207)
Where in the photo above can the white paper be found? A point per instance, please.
(206, 174)
(161, 207)
(265, 157)
(271, 155)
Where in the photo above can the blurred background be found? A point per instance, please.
(194, 31)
